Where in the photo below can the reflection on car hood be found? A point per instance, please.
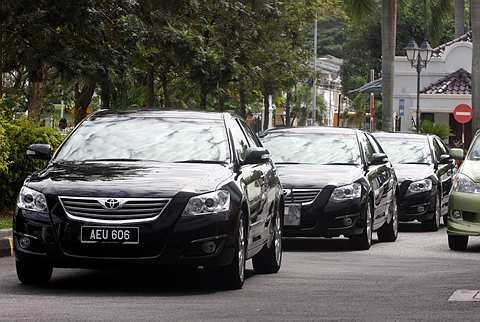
(412, 172)
(127, 179)
(317, 176)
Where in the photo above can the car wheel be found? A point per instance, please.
(33, 273)
(364, 240)
(233, 275)
(389, 231)
(269, 259)
(457, 242)
(434, 223)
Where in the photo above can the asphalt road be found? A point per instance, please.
(410, 279)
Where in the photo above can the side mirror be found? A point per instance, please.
(256, 155)
(445, 158)
(457, 154)
(378, 158)
(40, 151)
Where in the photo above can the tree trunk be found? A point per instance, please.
(83, 98)
(288, 108)
(459, 18)
(150, 89)
(36, 94)
(106, 91)
(266, 108)
(221, 102)
(243, 103)
(389, 25)
(203, 97)
(166, 93)
(475, 9)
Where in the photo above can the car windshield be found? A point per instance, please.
(146, 138)
(406, 150)
(314, 148)
(474, 153)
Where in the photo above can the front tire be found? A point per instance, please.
(269, 259)
(232, 276)
(364, 240)
(434, 223)
(389, 231)
(457, 242)
(33, 273)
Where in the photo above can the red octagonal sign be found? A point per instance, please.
(463, 113)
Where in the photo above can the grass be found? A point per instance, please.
(5, 220)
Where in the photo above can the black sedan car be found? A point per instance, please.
(171, 187)
(424, 169)
(336, 182)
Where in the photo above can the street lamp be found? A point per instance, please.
(418, 57)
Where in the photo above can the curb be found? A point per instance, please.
(6, 242)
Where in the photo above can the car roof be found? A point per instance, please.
(182, 114)
(402, 135)
(312, 129)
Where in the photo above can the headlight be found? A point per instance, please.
(209, 203)
(32, 200)
(462, 183)
(351, 191)
(420, 186)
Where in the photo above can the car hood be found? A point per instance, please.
(317, 176)
(471, 168)
(128, 179)
(413, 172)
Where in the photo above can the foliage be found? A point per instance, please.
(441, 130)
(17, 137)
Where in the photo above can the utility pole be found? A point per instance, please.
(372, 103)
(314, 88)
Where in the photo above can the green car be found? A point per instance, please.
(464, 202)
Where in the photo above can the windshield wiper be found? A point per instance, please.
(202, 161)
(115, 160)
(414, 163)
(339, 163)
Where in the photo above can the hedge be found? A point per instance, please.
(15, 166)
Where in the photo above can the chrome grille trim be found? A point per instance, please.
(130, 210)
(301, 196)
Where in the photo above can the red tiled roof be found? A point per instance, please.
(441, 49)
(459, 82)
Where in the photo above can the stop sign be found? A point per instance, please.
(463, 113)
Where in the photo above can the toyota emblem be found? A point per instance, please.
(112, 203)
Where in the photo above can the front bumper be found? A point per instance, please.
(418, 206)
(323, 218)
(169, 240)
(468, 204)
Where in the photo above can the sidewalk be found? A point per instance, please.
(6, 242)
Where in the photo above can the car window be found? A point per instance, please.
(367, 147)
(376, 147)
(240, 141)
(252, 138)
(160, 139)
(401, 149)
(441, 144)
(436, 149)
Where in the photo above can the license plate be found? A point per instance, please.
(121, 235)
(292, 215)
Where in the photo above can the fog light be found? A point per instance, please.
(209, 247)
(347, 221)
(457, 214)
(420, 209)
(24, 242)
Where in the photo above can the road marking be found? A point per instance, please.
(465, 296)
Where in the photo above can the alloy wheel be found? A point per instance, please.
(438, 211)
(241, 250)
(395, 216)
(369, 224)
(278, 239)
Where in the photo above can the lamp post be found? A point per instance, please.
(418, 57)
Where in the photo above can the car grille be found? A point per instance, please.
(471, 216)
(301, 196)
(113, 209)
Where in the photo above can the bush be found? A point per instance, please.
(441, 130)
(17, 136)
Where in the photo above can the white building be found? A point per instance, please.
(329, 84)
(444, 84)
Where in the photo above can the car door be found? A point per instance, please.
(252, 181)
(376, 178)
(445, 171)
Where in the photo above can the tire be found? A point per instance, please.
(232, 276)
(364, 240)
(389, 231)
(269, 259)
(457, 242)
(434, 223)
(33, 273)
